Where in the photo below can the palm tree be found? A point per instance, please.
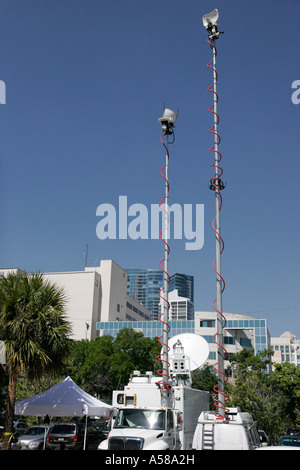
(34, 329)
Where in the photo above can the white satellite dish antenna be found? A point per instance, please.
(210, 18)
(195, 348)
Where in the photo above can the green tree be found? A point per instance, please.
(286, 377)
(255, 391)
(132, 351)
(34, 329)
(205, 379)
(89, 366)
(105, 364)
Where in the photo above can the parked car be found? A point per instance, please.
(103, 427)
(278, 448)
(293, 431)
(263, 437)
(19, 427)
(1, 435)
(290, 440)
(70, 436)
(33, 438)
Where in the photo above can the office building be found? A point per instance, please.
(241, 331)
(184, 284)
(98, 304)
(96, 294)
(144, 286)
(180, 308)
(286, 349)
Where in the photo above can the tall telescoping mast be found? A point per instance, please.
(217, 185)
(167, 122)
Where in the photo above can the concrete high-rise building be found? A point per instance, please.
(181, 308)
(93, 295)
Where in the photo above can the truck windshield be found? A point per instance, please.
(146, 419)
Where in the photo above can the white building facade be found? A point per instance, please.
(286, 349)
(240, 332)
(181, 308)
(93, 295)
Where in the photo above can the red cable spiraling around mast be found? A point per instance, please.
(163, 383)
(216, 184)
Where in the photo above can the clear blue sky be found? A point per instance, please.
(86, 81)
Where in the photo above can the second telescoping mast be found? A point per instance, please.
(217, 185)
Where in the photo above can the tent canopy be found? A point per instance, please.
(64, 399)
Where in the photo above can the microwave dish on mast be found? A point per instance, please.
(195, 347)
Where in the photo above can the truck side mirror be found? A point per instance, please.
(179, 422)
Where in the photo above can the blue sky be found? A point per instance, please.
(86, 81)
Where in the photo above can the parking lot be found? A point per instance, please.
(57, 436)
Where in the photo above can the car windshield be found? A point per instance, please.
(290, 441)
(146, 419)
(34, 431)
(63, 429)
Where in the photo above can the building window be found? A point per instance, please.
(207, 323)
(229, 340)
(245, 342)
(208, 338)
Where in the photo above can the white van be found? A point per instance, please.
(237, 432)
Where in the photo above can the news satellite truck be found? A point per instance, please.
(147, 419)
(145, 422)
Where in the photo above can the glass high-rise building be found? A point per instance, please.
(144, 285)
(184, 284)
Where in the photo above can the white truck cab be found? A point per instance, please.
(237, 432)
(144, 429)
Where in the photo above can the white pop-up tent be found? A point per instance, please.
(63, 399)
